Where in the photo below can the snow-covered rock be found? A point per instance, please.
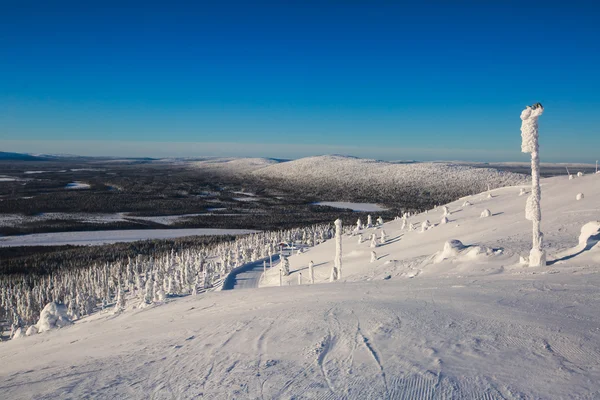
(53, 316)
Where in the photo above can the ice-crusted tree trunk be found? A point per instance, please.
(336, 272)
(533, 210)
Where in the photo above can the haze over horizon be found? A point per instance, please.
(423, 81)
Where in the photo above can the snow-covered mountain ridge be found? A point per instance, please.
(428, 319)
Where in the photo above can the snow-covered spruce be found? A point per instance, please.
(444, 220)
(311, 272)
(336, 271)
(383, 237)
(286, 265)
(373, 241)
(529, 134)
(373, 256)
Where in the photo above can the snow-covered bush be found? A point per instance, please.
(425, 225)
(590, 234)
(580, 174)
(360, 238)
(32, 330)
(466, 203)
(383, 237)
(380, 221)
(444, 220)
(53, 316)
(446, 210)
(579, 196)
(522, 192)
(486, 213)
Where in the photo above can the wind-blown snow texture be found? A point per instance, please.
(426, 320)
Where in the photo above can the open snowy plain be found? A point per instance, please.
(430, 318)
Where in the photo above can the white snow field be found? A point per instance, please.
(431, 318)
(106, 237)
(365, 207)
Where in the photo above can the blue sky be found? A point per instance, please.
(382, 79)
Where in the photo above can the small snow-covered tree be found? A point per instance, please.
(369, 221)
(359, 225)
(373, 240)
(485, 213)
(286, 265)
(425, 225)
(360, 238)
(533, 211)
(383, 237)
(379, 221)
(311, 271)
(373, 256)
(444, 220)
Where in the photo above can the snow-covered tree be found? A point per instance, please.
(485, 213)
(380, 221)
(311, 271)
(373, 256)
(360, 238)
(383, 237)
(373, 240)
(529, 134)
(425, 225)
(369, 221)
(286, 265)
(359, 225)
(336, 271)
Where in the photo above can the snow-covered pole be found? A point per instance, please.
(533, 210)
(336, 272)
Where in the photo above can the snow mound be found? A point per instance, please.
(579, 196)
(53, 316)
(486, 213)
(590, 234)
(456, 250)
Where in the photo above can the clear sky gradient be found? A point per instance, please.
(382, 79)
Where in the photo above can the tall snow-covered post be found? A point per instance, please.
(533, 210)
(336, 272)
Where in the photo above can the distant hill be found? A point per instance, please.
(20, 157)
(357, 178)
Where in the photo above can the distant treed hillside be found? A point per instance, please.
(414, 185)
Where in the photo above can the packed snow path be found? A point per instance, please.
(247, 276)
(484, 338)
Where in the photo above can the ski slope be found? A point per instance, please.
(424, 321)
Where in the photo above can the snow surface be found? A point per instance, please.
(106, 237)
(431, 318)
(365, 207)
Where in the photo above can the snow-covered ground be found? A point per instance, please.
(429, 319)
(106, 237)
(366, 207)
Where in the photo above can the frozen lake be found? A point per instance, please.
(364, 207)
(91, 238)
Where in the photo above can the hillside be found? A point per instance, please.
(429, 319)
(349, 178)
